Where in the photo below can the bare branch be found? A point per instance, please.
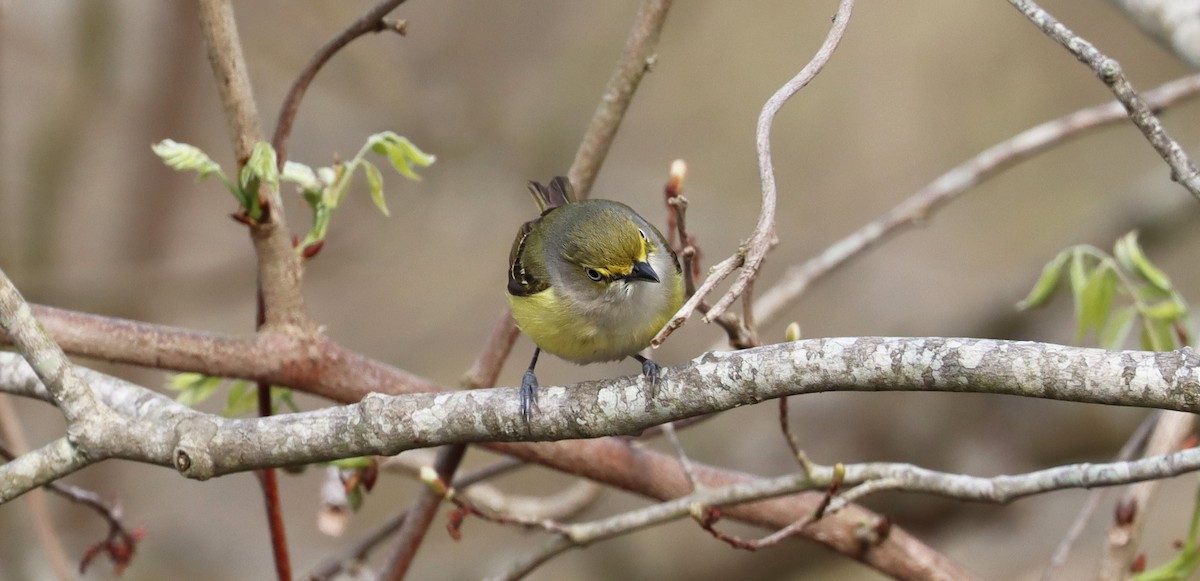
(70, 394)
(867, 479)
(1183, 171)
(919, 206)
(202, 446)
(609, 460)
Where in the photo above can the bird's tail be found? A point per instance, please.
(558, 193)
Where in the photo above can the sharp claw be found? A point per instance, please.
(529, 385)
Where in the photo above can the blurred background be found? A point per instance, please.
(91, 220)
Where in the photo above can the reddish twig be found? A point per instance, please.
(119, 544)
(370, 22)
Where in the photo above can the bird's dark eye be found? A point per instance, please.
(642, 232)
(592, 274)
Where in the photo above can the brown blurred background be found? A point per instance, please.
(501, 93)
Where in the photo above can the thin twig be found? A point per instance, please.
(269, 483)
(1183, 171)
(750, 255)
(371, 21)
(684, 461)
(1135, 443)
(921, 205)
(120, 543)
(357, 553)
(634, 63)
(39, 514)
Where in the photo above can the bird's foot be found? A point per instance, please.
(529, 385)
(650, 370)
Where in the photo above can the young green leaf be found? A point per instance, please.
(1096, 300)
(301, 175)
(1046, 284)
(1116, 330)
(353, 463)
(184, 157)
(354, 498)
(193, 388)
(1078, 275)
(281, 397)
(1167, 310)
(1129, 254)
(242, 399)
(401, 153)
(1157, 335)
(375, 181)
(263, 164)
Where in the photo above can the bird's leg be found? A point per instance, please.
(529, 385)
(650, 371)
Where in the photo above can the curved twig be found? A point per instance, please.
(370, 22)
(750, 255)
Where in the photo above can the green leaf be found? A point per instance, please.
(1157, 335)
(282, 397)
(1078, 276)
(1046, 284)
(336, 192)
(1129, 254)
(401, 153)
(375, 181)
(242, 399)
(193, 388)
(263, 164)
(354, 498)
(1167, 310)
(1116, 331)
(181, 381)
(301, 175)
(184, 157)
(353, 463)
(1096, 300)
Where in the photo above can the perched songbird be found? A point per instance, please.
(589, 281)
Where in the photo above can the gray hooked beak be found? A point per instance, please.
(642, 271)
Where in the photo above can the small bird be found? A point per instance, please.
(589, 281)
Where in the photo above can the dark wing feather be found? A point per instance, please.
(521, 281)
